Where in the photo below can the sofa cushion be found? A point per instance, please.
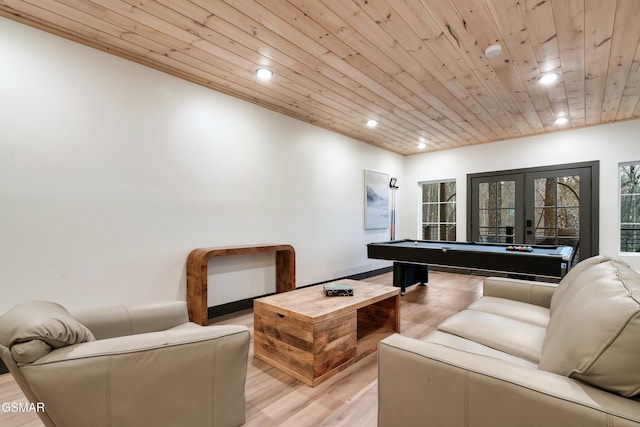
(47, 323)
(594, 336)
(516, 310)
(468, 346)
(577, 275)
(501, 333)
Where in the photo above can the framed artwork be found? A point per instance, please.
(376, 200)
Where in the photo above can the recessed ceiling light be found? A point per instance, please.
(561, 120)
(493, 51)
(372, 123)
(548, 78)
(264, 73)
(422, 146)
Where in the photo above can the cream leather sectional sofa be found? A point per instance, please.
(525, 354)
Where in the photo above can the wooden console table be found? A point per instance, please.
(197, 270)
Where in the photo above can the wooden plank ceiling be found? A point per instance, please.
(416, 66)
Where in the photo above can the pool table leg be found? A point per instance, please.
(405, 274)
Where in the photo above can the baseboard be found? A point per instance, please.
(235, 306)
(366, 274)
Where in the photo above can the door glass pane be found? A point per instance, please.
(487, 195)
(569, 191)
(487, 218)
(507, 194)
(569, 222)
(497, 201)
(545, 191)
(545, 222)
(557, 210)
(487, 235)
(507, 217)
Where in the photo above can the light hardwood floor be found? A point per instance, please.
(348, 399)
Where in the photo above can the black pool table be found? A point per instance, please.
(412, 256)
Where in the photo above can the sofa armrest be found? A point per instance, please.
(186, 376)
(119, 320)
(538, 293)
(427, 384)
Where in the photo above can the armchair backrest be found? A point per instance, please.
(121, 320)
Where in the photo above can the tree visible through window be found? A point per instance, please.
(630, 207)
(439, 210)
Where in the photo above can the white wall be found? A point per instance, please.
(610, 144)
(111, 172)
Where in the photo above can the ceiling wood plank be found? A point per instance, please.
(569, 19)
(623, 50)
(599, 21)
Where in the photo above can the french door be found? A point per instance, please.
(553, 205)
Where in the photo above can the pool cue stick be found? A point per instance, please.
(393, 187)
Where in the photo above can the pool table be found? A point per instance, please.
(412, 256)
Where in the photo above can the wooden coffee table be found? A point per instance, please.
(312, 337)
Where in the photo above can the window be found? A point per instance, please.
(439, 210)
(630, 207)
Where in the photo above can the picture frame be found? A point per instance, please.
(376, 200)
